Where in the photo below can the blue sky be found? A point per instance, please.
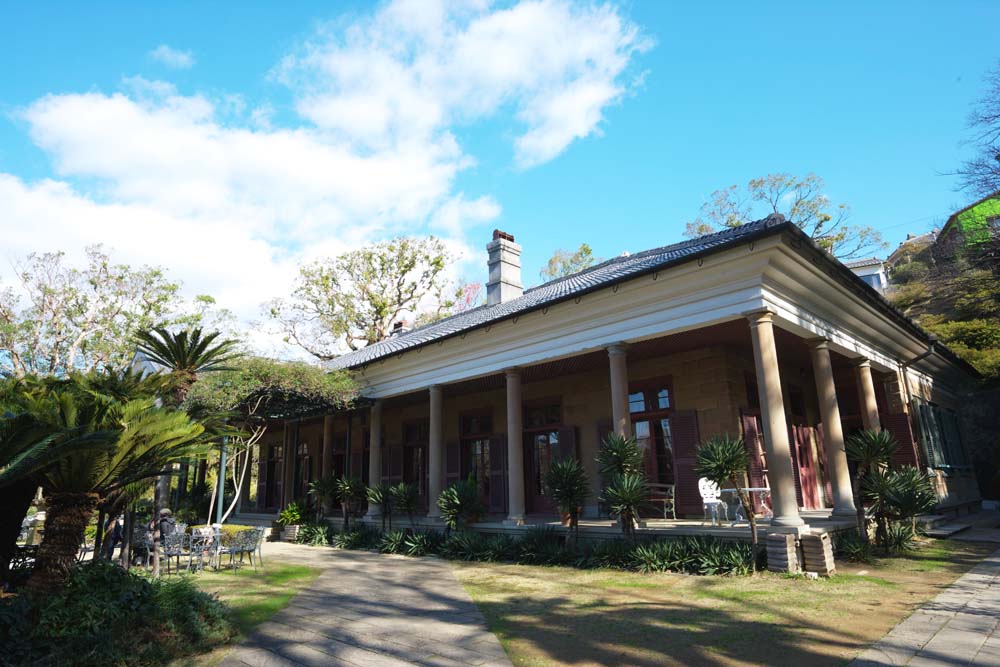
(618, 127)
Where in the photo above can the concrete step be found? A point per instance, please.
(944, 530)
(930, 521)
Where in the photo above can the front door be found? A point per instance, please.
(275, 469)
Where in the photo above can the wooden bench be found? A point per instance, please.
(664, 494)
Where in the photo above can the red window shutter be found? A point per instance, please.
(452, 463)
(825, 462)
(684, 427)
(498, 474)
(901, 429)
(793, 440)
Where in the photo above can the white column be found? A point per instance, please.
(515, 449)
(774, 422)
(435, 456)
(375, 454)
(618, 361)
(833, 431)
(866, 395)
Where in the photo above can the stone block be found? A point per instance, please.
(817, 552)
(782, 553)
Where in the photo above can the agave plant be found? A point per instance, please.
(911, 494)
(405, 499)
(351, 494)
(620, 455)
(324, 493)
(569, 488)
(867, 451)
(460, 503)
(724, 459)
(381, 495)
(626, 496)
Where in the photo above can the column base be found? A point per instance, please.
(802, 529)
(514, 521)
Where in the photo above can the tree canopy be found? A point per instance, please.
(981, 173)
(354, 299)
(60, 318)
(801, 200)
(259, 386)
(564, 263)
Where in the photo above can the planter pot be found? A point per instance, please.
(290, 533)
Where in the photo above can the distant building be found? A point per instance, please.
(870, 270)
(914, 247)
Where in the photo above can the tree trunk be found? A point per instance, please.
(860, 506)
(202, 471)
(157, 506)
(17, 499)
(125, 557)
(108, 542)
(66, 519)
(747, 503)
(99, 532)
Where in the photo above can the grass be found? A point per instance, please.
(252, 596)
(547, 617)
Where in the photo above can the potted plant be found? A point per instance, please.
(291, 518)
(569, 488)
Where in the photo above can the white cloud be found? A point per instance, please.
(172, 57)
(230, 200)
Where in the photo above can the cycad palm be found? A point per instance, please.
(185, 355)
(82, 446)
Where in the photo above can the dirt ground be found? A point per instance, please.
(547, 616)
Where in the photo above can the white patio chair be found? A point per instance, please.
(711, 501)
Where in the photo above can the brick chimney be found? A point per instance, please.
(504, 283)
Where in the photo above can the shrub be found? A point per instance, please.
(229, 531)
(900, 537)
(660, 556)
(352, 496)
(614, 554)
(105, 615)
(724, 459)
(292, 515)
(464, 545)
(423, 544)
(460, 503)
(620, 456)
(381, 495)
(538, 545)
(500, 548)
(393, 542)
(848, 545)
(315, 534)
(361, 537)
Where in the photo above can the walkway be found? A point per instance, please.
(369, 610)
(958, 627)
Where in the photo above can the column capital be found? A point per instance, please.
(759, 316)
(617, 349)
(434, 389)
(818, 343)
(861, 362)
(513, 371)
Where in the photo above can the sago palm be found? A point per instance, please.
(113, 444)
(185, 355)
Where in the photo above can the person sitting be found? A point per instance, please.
(167, 524)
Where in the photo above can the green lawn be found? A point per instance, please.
(548, 617)
(253, 596)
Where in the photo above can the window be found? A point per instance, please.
(416, 436)
(476, 432)
(541, 425)
(940, 435)
(873, 279)
(651, 405)
(540, 416)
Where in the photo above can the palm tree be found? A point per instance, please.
(185, 355)
(869, 451)
(724, 459)
(85, 447)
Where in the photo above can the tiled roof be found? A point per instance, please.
(595, 277)
(868, 261)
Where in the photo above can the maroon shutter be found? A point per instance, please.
(498, 474)
(452, 463)
(684, 427)
(900, 428)
(825, 462)
(265, 456)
